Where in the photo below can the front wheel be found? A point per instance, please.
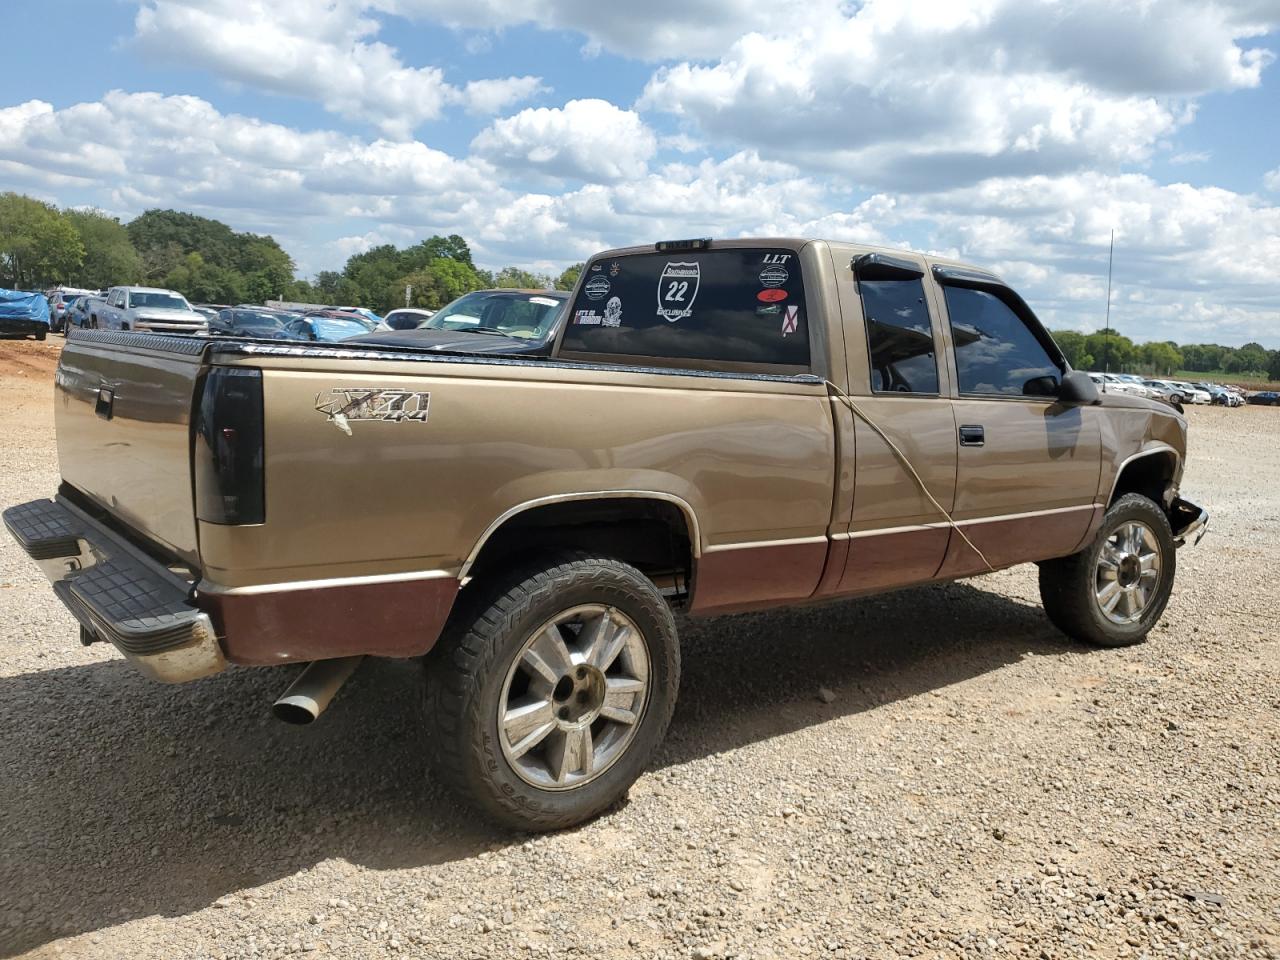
(551, 690)
(1113, 592)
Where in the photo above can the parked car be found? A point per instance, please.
(1192, 393)
(369, 315)
(407, 318)
(1219, 394)
(722, 426)
(146, 309)
(1113, 383)
(327, 327)
(1266, 398)
(77, 314)
(236, 322)
(1161, 390)
(23, 314)
(1139, 382)
(60, 300)
(504, 321)
(210, 310)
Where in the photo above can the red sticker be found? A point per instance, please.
(771, 296)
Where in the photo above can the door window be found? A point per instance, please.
(997, 354)
(899, 336)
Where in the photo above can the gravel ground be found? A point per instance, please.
(932, 773)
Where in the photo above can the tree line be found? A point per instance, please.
(42, 246)
(1116, 353)
(208, 262)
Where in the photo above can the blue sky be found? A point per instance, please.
(1012, 133)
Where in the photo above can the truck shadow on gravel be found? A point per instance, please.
(123, 798)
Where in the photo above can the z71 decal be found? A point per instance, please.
(344, 404)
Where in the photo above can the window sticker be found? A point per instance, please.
(597, 288)
(615, 268)
(773, 276)
(770, 295)
(612, 312)
(588, 318)
(677, 290)
(791, 322)
(544, 301)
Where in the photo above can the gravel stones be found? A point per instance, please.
(977, 786)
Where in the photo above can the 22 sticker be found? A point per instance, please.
(677, 290)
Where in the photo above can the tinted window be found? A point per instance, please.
(996, 353)
(694, 308)
(899, 336)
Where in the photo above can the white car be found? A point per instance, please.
(1110, 383)
(1192, 393)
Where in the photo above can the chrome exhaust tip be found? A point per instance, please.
(313, 690)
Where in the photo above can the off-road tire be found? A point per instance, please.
(1067, 585)
(467, 669)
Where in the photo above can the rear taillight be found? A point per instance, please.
(228, 457)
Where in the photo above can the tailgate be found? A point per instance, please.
(123, 413)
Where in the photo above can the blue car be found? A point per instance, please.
(324, 329)
(1267, 398)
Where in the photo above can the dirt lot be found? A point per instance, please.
(978, 786)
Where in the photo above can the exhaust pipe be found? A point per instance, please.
(314, 689)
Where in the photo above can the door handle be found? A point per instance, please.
(972, 435)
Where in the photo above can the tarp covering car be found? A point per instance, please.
(23, 313)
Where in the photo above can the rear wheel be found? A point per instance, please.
(40, 334)
(550, 691)
(1114, 591)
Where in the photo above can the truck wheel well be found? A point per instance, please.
(1150, 476)
(651, 535)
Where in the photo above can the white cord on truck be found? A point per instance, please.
(857, 412)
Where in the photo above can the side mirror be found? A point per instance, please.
(1077, 387)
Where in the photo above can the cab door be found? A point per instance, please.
(1028, 464)
(896, 535)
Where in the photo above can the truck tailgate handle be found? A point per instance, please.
(972, 435)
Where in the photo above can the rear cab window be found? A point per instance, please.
(739, 309)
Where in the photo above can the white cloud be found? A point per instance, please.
(1209, 250)
(585, 139)
(1272, 180)
(656, 30)
(922, 94)
(320, 50)
(1194, 156)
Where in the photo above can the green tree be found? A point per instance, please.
(514, 277)
(1160, 357)
(441, 281)
(1111, 351)
(39, 247)
(109, 256)
(1073, 348)
(568, 279)
(1273, 365)
(1250, 358)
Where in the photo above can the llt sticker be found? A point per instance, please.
(344, 404)
(613, 312)
(597, 288)
(677, 289)
(771, 295)
(791, 322)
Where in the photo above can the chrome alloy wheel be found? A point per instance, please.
(1128, 572)
(574, 697)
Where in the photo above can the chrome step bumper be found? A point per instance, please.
(1190, 522)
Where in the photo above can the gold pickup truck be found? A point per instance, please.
(721, 426)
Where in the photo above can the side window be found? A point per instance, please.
(740, 309)
(996, 353)
(899, 336)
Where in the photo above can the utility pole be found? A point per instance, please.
(1106, 334)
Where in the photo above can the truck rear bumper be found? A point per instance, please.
(118, 592)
